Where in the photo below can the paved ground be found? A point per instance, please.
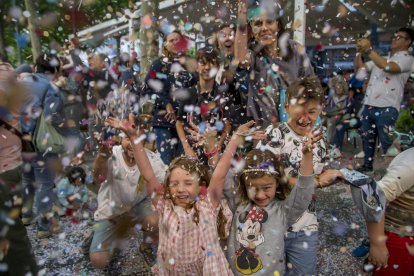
(341, 229)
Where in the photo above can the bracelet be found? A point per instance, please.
(368, 51)
(211, 153)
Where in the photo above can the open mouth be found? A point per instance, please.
(302, 122)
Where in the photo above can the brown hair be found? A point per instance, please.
(266, 160)
(165, 52)
(208, 54)
(308, 88)
(194, 166)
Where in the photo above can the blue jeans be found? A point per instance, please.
(375, 123)
(168, 144)
(340, 131)
(303, 258)
(38, 183)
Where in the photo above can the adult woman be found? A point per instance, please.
(275, 60)
(166, 74)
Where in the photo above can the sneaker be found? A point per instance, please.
(26, 221)
(365, 169)
(43, 234)
(360, 155)
(362, 250)
(391, 152)
(148, 254)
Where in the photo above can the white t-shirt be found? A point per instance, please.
(120, 192)
(386, 89)
(284, 142)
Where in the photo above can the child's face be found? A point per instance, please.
(206, 69)
(261, 190)
(184, 187)
(302, 116)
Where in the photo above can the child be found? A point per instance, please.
(189, 242)
(71, 191)
(267, 210)
(303, 105)
(207, 104)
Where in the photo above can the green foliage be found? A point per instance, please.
(405, 121)
(56, 21)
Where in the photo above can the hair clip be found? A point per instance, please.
(267, 171)
(265, 165)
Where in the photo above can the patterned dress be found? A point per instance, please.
(187, 248)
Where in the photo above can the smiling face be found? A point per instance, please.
(265, 30)
(172, 43)
(183, 187)
(225, 39)
(303, 115)
(261, 190)
(127, 147)
(206, 69)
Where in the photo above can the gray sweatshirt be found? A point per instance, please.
(256, 241)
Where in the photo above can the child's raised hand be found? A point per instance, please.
(127, 126)
(310, 140)
(247, 130)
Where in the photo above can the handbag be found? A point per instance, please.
(27, 145)
(46, 138)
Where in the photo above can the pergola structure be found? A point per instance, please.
(330, 22)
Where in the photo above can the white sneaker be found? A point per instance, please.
(360, 155)
(391, 152)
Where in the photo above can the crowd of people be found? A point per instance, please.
(216, 157)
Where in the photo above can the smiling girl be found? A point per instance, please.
(188, 208)
(267, 210)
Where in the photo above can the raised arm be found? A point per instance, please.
(364, 46)
(241, 37)
(216, 186)
(141, 158)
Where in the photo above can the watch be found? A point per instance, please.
(369, 50)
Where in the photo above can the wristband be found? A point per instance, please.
(211, 153)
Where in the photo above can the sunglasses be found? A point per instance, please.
(398, 37)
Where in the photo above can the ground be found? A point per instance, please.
(341, 229)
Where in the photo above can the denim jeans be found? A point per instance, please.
(340, 131)
(168, 144)
(301, 251)
(375, 123)
(38, 183)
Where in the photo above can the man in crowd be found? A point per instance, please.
(385, 90)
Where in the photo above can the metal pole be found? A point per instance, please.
(299, 24)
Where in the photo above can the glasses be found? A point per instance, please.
(398, 37)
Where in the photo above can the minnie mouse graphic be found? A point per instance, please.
(250, 236)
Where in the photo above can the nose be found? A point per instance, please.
(250, 237)
(260, 194)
